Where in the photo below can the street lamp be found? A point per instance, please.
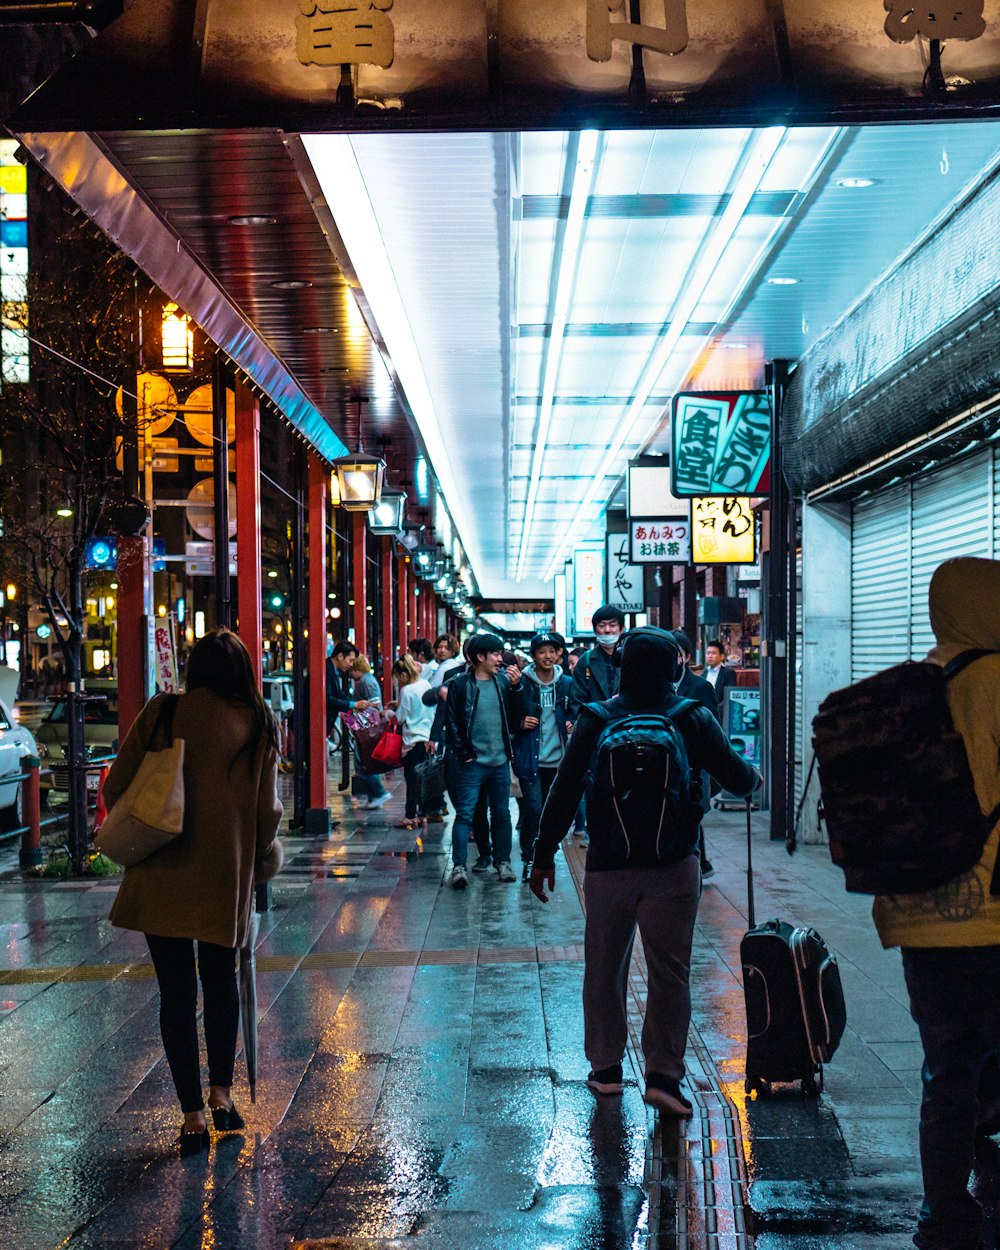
(423, 561)
(359, 480)
(386, 518)
(177, 339)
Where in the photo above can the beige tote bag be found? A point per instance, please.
(151, 811)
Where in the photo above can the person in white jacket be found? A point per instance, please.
(415, 720)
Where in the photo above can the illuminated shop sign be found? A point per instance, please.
(723, 530)
(721, 444)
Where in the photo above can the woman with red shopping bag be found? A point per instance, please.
(414, 720)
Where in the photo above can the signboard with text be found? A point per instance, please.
(465, 63)
(625, 580)
(741, 721)
(723, 530)
(721, 444)
(588, 586)
(663, 541)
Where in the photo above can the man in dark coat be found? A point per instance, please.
(691, 686)
(659, 896)
(594, 676)
(717, 673)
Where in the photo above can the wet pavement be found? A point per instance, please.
(422, 1078)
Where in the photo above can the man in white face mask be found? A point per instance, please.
(595, 678)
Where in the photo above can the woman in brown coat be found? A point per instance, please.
(200, 888)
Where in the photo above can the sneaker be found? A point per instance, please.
(482, 864)
(526, 872)
(665, 1095)
(379, 802)
(707, 870)
(505, 872)
(606, 1080)
(458, 878)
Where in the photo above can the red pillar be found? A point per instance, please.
(131, 641)
(317, 632)
(387, 634)
(427, 613)
(359, 581)
(402, 602)
(248, 571)
(411, 608)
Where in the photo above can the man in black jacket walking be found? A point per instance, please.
(478, 720)
(659, 896)
(594, 676)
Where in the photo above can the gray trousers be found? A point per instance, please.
(663, 903)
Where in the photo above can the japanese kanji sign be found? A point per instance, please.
(588, 586)
(666, 541)
(344, 32)
(670, 38)
(723, 530)
(625, 580)
(721, 444)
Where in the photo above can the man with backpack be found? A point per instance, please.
(950, 935)
(643, 748)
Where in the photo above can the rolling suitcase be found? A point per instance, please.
(794, 1001)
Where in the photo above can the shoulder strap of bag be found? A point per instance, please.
(964, 659)
(165, 720)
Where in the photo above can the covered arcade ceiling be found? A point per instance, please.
(528, 301)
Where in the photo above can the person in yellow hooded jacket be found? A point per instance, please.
(950, 936)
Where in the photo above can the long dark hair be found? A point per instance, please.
(221, 663)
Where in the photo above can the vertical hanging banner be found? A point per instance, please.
(588, 586)
(721, 444)
(723, 530)
(13, 266)
(625, 580)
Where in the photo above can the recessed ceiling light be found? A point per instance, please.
(253, 219)
(318, 330)
(735, 347)
(783, 281)
(854, 183)
(290, 284)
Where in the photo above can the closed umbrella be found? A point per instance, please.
(248, 1003)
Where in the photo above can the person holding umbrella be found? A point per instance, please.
(200, 887)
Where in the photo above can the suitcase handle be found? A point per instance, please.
(750, 906)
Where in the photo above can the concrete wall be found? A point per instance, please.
(826, 626)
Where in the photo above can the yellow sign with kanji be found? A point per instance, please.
(722, 530)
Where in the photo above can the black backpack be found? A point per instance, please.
(643, 790)
(898, 796)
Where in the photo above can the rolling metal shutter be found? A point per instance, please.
(952, 516)
(880, 582)
(898, 540)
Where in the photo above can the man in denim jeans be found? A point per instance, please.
(478, 717)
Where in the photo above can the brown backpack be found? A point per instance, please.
(898, 796)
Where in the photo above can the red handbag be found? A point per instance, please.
(388, 751)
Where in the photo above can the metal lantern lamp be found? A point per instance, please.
(386, 518)
(359, 480)
(423, 561)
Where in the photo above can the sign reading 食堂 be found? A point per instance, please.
(723, 530)
(625, 580)
(664, 541)
(721, 444)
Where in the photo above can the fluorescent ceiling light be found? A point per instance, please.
(783, 281)
(565, 261)
(853, 184)
(757, 156)
(343, 186)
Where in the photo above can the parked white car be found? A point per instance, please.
(15, 743)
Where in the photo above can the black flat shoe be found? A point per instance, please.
(226, 1119)
(193, 1143)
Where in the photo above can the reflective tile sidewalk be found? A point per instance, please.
(422, 1080)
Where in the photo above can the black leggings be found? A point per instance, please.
(173, 959)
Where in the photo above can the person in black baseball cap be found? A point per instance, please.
(541, 733)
